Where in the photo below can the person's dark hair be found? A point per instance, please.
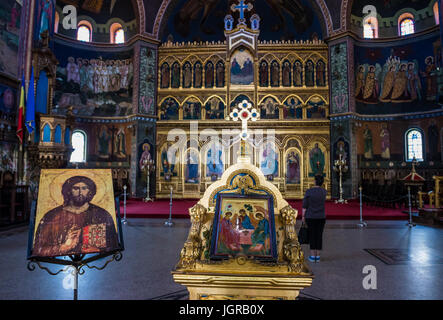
(67, 187)
(319, 180)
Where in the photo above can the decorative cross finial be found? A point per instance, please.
(241, 7)
(244, 113)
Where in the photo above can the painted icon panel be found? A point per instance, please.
(75, 213)
(244, 225)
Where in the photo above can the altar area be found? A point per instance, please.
(201, 83)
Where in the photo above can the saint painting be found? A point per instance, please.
(198, 75)
(430, 76)
(264, 74)
(192, 166)
(243, 226)
(214, 162)
(168, 161)
(191, 109)
(175, 75)
(269, 161)
(360, 83)
(209, 75)
(293, 168)
(367, 137)
(316, 161)
(385, 142)
(75, 213)
(220, 71)
(103, 143)
(400, 92)
(286, 74)
(120, 144)
(165, 76)
(169, 110)
(293, 109)
(309, 81)
(275, 74)
(215, 109)
(321, 74)
(269, 109)
(242, 68)
(298, 74)
(187, 75)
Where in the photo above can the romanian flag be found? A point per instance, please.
(21, 111)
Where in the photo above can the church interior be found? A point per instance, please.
(185, 102)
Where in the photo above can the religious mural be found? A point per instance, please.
(148, 81)
(269, 109)
(367, 137)
(45, 13)
(215, 109)
(109, 143)
(8, 156)
(169, 109)
(385, 142)
(316, 108)
(192, 109)
(396, 80)
(94, 84)
(242, 68)
(293, 108)
(10, 22)
(8, 97)
(339, 78)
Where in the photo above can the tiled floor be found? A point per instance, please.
(152, 250)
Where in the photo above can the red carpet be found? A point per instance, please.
(136, 208)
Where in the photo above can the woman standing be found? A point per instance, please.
(314, 216)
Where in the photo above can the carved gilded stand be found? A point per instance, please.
(240, 277)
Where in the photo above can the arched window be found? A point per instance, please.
(117, 33)
(436, 13)
(84, 31)
(370, 28)
(79, 146)
(406, 24)
(414, 144)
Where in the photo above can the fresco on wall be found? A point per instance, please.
(95, 84)
(339, 78)
(148, 70)
(196, 20)
(8, 97)
(8, 156)
(398, 79)
(10, 13)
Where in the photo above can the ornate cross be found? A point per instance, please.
(241, 7)
(244, 113)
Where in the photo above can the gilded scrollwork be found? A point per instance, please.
(192, 248)
(292, 251)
